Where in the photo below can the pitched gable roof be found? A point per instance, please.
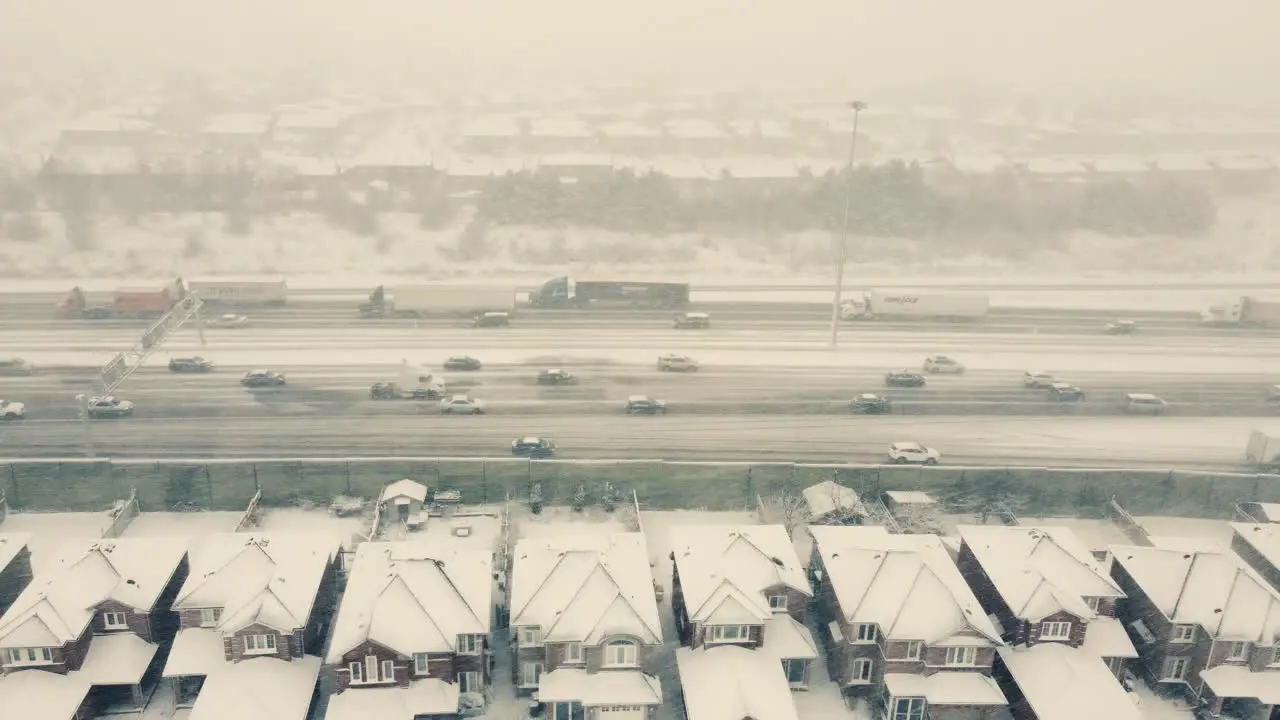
(905, 584)
(411, 598)
(723, 566)
(584, 588)
(1039, 571)
(57, 606)
(1211, 588)
(270, 579)
(405, 488)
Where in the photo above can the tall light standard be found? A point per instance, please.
(842, 251)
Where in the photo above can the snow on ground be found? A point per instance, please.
(182, 524)
(1196, 528)
(1157, 708)
(311, 520)
(471, 528)
(557, 521)
(50, 532)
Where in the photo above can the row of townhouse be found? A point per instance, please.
(235, 620)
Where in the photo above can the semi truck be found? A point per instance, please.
(123, 303)
(1244, 312)
(228, 293)
(890, 305)
(1263, 450)
(425, 300)
(586, 293)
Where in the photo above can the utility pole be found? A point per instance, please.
(842, 251)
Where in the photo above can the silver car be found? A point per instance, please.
(461, 405)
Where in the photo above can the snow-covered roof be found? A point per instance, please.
(725, 570)
(754, 168)
(1120, 164)
(732, 683)
(238, 124)
(413, 597)
(829, 496)
(559, 128)
(581, 588)
(116, 659)
(484, 166)
(1270, 511)
(107, 122)
(1262, 537)
(1054, 165)
(946, 688)
(57, 606)
(41, 695)
(786, 639)
(774, 129)
(195, 651)
(1106, 638)
(679, 168)
(270, 579)
(1243, 162)
(616, 687)
(1237, 681)
(10, 545)
(576, 160)
(1061, 683)
(1214, 589)
(694, 129)
(259, 689)
(492, 126)
(628, 128)
(422, 697)
(905, 584)
(405, 488)
(906, 497)
(1039, 571)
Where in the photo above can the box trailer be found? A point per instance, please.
(446, 300)
(223, 292)
(1244, 312)
(887, 305)
(1263, 449)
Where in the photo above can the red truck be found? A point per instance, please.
(124, 303)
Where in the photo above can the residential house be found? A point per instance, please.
(1205, 622)
(101, 613)
(403, 500)
(412, 635)
(252, 595)
(15, 567)
(904, 631)
(584, 618)
(1259, 545)
(1041, 584)
(743, 585)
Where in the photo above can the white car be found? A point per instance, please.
(12, 410)
(229, 320)
(461, 405)
(1037, 379)
(902, 453)
(942, 364)
(677, 363)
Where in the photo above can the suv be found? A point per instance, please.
(693, 320)
(901, 453)
(1065, 392)
(462, 362)
(461, 405)
(556, 376)
(16, 366)
(491, 319)
(262, 378)
(109, 407)
(191, 364)
(677, 363)
(1145, 404)
(12, 410)
(942, 364)
(645, 405)
(533, 447)
(903, 378)
(1122, 327)
(870, 404)
(1037, 379)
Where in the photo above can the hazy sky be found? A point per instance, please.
(1189, 46)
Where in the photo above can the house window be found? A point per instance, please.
(861, 671)
(573, 652)
(530, 637)
(115, 621)
(29, 656)
(1237, 650)
(1093, 603)
(1184, 633)
(778, 603)
(469, 682)
(620, 653)
(530, 674)
(729, 633)
(908, 708)
(260, 644)
(833, 627)
(1275, 656)
(357, 673)
(210, 617)
(1055, 631)
(388, 671)
(960, 656)
(470, 644)
(371, 671)
(864, 633)
(795, 672)
(1175, 668)
(567, 711)
(914, 648)
(420, 663)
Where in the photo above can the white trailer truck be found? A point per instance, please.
(425, 300)
(1244, 312)
(891, 305)
(232, 292)
(1263, 450)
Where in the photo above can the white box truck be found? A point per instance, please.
(1263, 449)
(891, 305)
(424, 300)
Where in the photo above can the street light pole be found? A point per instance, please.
(843, 250)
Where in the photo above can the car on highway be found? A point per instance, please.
(903, 453)
(1144, 404)
(870, 404)
(12, 410)
(101, 408)
(491, 319)
(190, 364)
(1273, 394)
(230, 320)
(556, 376)
(262, 378)
(941, 364)
(1037, 379)
(394, 391)
(533, 447)
(691, 321)
(1065, 392)
(461, 405)
(677, 363)
(1122, 327)
(903, 378)
(16, 366)
(462, 362)
(645, 405)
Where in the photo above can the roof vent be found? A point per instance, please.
(131, 581)
(777, 562)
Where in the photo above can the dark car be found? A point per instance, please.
(870, 404)
(491, 319)
(904, 378)
(556, 376)
(645, 405)
(393, 391)
(533, 447)
(462, 362)
(1065, 392)
(191, 364)
(262, 378)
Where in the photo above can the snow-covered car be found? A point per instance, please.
(262, 378)
(534, 447)
(462, 362)
(677, 363)
(395, 391)
(556, 376)
(12, 410)
(1037, 379)
(16, 366)
(109, 407)
(942, 364)
(645, 405)
(870, 404)
(1065, 392)
(230, 320)
(190, 364)
(903, 453)
(1122, 327)
(691, 321)
(461, 405)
